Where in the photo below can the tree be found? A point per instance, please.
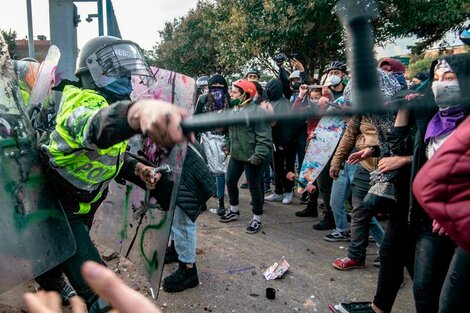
(10, 39)
(227, 35)
(422, 65)
(188, 44)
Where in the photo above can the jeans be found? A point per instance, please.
(254, 176)
(456, 289)
(340, 192)
(432, 259)
(220, 185)
(183, 232)
(361, 217)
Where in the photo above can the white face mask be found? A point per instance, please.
(334, 80)
(446, 93)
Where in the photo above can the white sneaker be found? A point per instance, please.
(274, 197)
(287, 198)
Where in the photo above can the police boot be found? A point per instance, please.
(57, 284)
(328, 222)
(100, 306)
(171, 255)
(182, 279)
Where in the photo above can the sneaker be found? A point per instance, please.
(244, 185)
(274, 197)
(337, 236)
(182, 279)
(353, 307)
(253, 227)
(229, 216)
(61, 286)
(287, 198)
(346, 263)
(376, 262)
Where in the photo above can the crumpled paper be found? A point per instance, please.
(276, 270)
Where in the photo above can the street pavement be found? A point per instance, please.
(231, 263)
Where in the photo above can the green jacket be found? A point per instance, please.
(250, 143)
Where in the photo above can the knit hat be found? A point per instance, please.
(217, 79)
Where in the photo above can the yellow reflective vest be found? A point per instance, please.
(71, 151)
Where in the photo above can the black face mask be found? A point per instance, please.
(120, 89)
(296, 86)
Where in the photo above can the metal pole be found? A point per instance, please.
(31, 51)
(100, 18)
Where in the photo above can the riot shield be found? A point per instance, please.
(125, 222)
(35, 235)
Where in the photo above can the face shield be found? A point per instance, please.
(118, 60)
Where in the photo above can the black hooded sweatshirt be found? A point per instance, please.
(282, 130)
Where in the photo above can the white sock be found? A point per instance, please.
(234, 208)
(257, 217)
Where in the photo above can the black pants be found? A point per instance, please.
(85, 251)
(281, 167)
(432, 259)
(324, 185)
(254, 176)
(397, 248)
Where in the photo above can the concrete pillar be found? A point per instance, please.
(64, 35)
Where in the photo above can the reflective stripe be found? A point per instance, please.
(86, 207)
(107, 160)
(60, 143)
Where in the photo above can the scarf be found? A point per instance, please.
(444, 122)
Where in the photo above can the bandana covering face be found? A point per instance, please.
(218, 96)
(445, 121)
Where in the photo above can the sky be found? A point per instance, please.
(139, 20)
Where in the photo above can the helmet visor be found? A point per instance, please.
(120, 59)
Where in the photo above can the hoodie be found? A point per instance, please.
(281, 131)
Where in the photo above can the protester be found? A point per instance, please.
(362, 132)
(249, 147)
(202, 85)
(281, 136)
(333, 90)
(217, 99)
(253, 75)
(419, 80)
(195, 188)
(434, 252)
